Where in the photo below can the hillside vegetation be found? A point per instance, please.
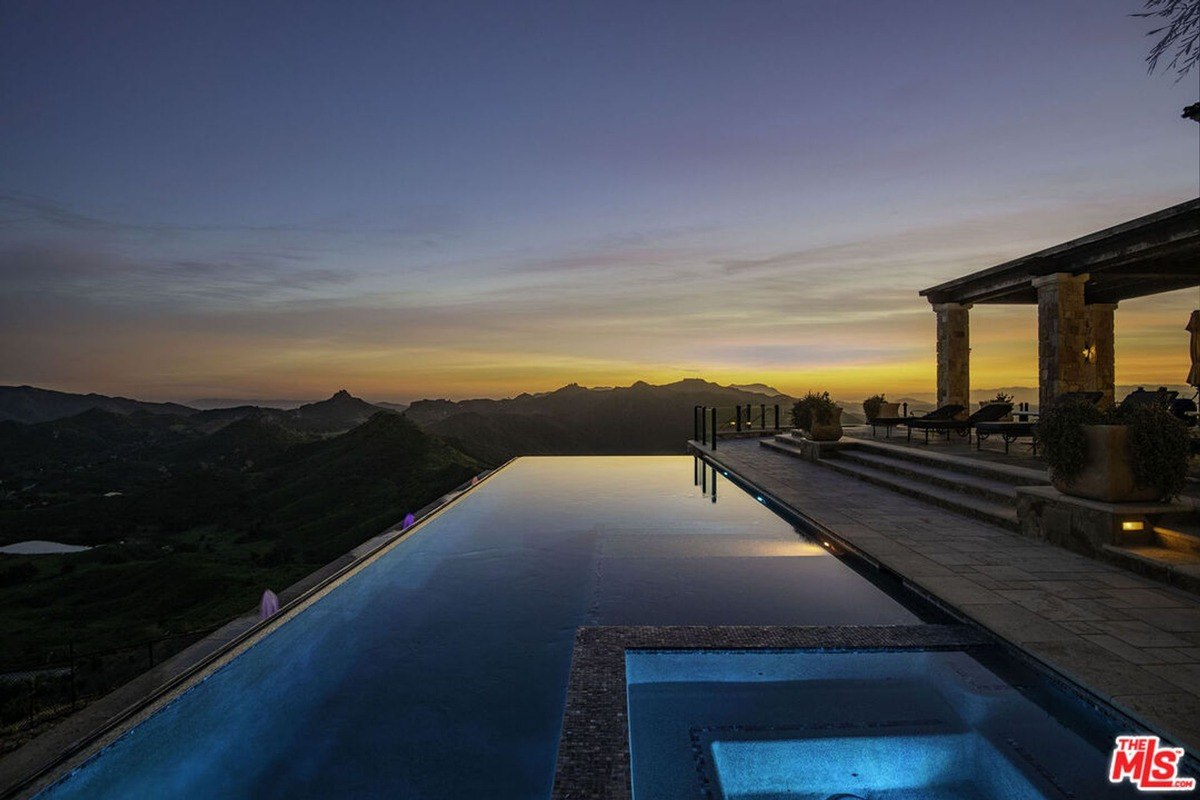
(192, 518)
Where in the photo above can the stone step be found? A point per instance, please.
(969, 505)
(1002, 492)
(1007, 473)
(1170, 566)
(1180, 533)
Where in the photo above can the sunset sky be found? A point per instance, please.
(449, 200)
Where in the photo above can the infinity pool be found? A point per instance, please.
(439, 670)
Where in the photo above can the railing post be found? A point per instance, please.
(714, 491)
(695, 423)
(777, 416)
(762, 409)
(703, 477)
(695, 470)
(906, 409)
(739, 419)
(714, 427)
(703, 424)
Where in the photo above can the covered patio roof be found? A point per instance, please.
(1157, 253)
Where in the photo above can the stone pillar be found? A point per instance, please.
(1100, 357)
(1062, 331)
(953, 354)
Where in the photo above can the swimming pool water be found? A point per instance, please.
(440, 669)
(805, 725)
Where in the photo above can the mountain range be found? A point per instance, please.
(192, 512)
(573, 420)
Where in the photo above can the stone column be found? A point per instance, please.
(953, 354)
(1100, 357)
(1062, 331)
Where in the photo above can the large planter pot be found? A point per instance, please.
(1107, 475)
(828, 429)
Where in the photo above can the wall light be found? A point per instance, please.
(1133, 525)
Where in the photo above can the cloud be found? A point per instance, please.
(25, 212)
(100, 276)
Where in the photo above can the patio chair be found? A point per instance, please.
(889, 417)
(1184, 410)
(992, 412)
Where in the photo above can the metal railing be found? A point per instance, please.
(709, 422)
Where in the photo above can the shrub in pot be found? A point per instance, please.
(1136, 454)
(827, 424)
(802, 411)
(819, 416)
(872, 405)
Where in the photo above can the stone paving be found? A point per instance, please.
(1131, 641)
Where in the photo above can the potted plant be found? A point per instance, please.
(1124, 455)
(872, 405)
(818, 416)
(1000, 397)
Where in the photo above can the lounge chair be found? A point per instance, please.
(1012, 431)
(945, 413)
(992, 412)
(1008, 431)
(1161, 398)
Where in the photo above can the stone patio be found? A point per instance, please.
(1132, 642)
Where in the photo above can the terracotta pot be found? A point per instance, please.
(1106, 474)
(827, 429)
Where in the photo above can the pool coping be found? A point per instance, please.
(44, 760)
(593, 749)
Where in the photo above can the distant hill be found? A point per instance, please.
(190, 526)
(100, 450)
(573, 420)
(758, 388)
(339, 413)
(29, 404)
(209, 403)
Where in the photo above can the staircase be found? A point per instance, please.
(1170, 553)
(981, 489)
